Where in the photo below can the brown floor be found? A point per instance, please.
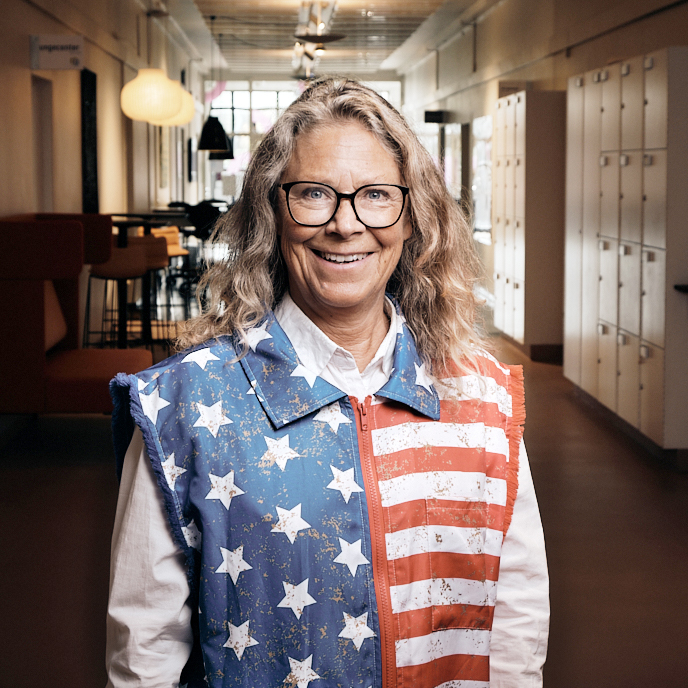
(615, 522)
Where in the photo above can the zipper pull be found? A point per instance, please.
(364, 415)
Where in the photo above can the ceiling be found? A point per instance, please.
(256, 37)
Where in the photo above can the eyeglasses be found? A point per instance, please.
(375, 205)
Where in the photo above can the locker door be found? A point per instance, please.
(499, 127)
(499, 283)
(652, 309)
(509, 187)
(656, 99)
(654, 198)
(498, 242)
(520, 187)
(606, 343)
(631, 205)
(509, 246)
(519, 310)
(632, 103)
(609, 280)
(509, 306)
(498, 188)
(521, 123)
(609, 195)
(629, 287)
(591, 226)
(574, 231)
(611, 108)
(652, 392)
(510, 145)
(628, 386)
(519, 269)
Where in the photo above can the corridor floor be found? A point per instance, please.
(615, 523)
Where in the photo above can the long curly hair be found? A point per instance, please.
(433, 281)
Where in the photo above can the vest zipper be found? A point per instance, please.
(379, 552)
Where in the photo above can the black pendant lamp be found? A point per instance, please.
(213, 136)
(225, 154)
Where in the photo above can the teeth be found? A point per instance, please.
(336, 258)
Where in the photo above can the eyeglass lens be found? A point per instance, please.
(315, 204)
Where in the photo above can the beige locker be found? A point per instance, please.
(519, 187)
(628, 385)
(509, 306)
(632, 103)
(607, 375)
(631, 198)
(520, 124)
(609, 279)
(509, 246)
(652, 392)
(611, 108)
(499, 188)
(574, 231)
(519, 266)
(656, 99)
(654, 198)
(498, 244)
(499, 287)
(499, 129)
(629, 287)
(652, 305)
(510, 144)
(509, 187)
(519, 293)
(609, 195)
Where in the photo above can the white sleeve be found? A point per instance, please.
(149, 635)
(521, 620)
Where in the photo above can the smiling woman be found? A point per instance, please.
(329, 485)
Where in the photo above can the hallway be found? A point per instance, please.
(614, 519)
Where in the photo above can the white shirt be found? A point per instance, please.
(149, 620)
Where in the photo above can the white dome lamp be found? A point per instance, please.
(151, 96)
(185, 114)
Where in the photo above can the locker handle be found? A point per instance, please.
(596, 77)
(624, 250)
(644, 351)
(507, 280)
(649, 256)
(603, 160)
(683, 288)
(625, 69)
(603, 245)
(649, 63)
(602, 329)
(647, 160)
(604, 75)
(579, 81)
(517, 285)
(623, 160)
(621, 339)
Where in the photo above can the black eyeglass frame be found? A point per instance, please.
(350, 196)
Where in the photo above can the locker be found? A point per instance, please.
(509, 246)
(519, 267)
(654, 198)
(520, 124)
(499, 283)
(609, 195)
(652, 304)
(631, 184)
(519, 310)
(519, 187)
(499, 128)
(656, 99)
(632, 103)
(628, 385)
(591, 156)
(510, 142)
(509, 306)
(498, 243)
(652, 392)
(574, 153)
(629, 287)
(498, 188)
(609, 279)
(509, 187)
(611, 108)
(606, 342)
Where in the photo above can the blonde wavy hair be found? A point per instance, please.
(433, 281)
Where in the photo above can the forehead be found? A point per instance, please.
(341, 151)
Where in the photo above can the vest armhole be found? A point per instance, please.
(515, 435)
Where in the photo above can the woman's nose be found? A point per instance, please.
(345, 221)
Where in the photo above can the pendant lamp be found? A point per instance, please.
(185, 114)
(223, 155)
(213, 136)
(151, 96)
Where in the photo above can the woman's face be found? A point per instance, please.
(345, 156)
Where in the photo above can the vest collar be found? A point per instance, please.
(288, 391)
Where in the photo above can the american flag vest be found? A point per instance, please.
(331, 541)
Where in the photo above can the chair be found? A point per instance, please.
(42, 370)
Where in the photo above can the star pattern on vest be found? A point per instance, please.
(290, 522)
(239, 639)
(422, 377)
(351, 555)
(356, 629)
(344, 482)
(141, 384)
(212, 417)
(192, 535)
(301, 673)
(296, 597)
(233, 563)
(332, 415)
(200, 357)
(152, 403)
(278, 452)
(172, 472)
(302, 371)
(256, 335)
(223, 488)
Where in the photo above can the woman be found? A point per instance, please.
(321, 488)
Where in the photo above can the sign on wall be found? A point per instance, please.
(57, 51)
